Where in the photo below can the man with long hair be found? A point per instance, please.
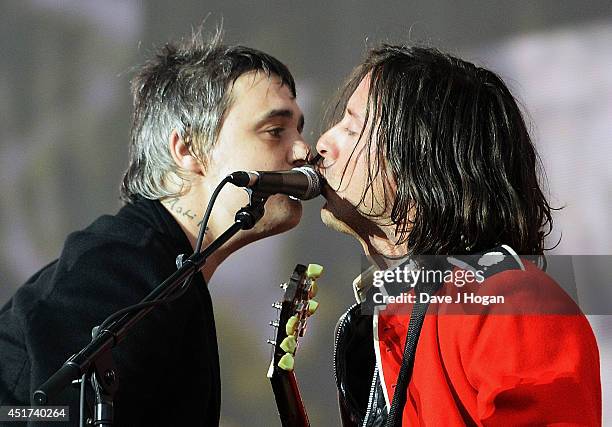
(201, 111)
(431, 157)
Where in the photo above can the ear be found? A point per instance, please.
(182, 154)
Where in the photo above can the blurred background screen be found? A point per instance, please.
(64, 122)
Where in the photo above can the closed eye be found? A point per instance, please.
(350, 132)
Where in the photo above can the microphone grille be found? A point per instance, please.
(314, 182)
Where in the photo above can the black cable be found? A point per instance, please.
(170, 298)
(211, 202)
(198, 247)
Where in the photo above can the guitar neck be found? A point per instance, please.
(295, 308)
(288, 400)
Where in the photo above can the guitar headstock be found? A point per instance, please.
(294, 310)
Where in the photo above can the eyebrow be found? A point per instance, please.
(285, 113)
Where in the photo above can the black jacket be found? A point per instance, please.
(168, 368)
(360, 395)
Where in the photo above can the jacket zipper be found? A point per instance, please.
(371, 398)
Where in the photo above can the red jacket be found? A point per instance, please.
(502, 367)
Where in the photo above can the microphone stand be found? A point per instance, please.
(96, 360)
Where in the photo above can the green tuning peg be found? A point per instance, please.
(289, 344)
(286, 362)
(291, 325)
(312, 306)
(314, 271)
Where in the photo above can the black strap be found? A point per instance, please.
(412, 337)
(491, 262)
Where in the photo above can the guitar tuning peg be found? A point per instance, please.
(284, 285)
(286, 362)
(291, 325)
(289, 344)
(312, 307)
(274, 323)
(277, 305)
(271, 342)
(314, 271)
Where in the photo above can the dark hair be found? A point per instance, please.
(453, 139)
(185, 86)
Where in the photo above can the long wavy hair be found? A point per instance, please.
(451, 136)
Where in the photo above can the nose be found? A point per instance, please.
(300, 152)
(326, 147)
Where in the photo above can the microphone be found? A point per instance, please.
(301, 183)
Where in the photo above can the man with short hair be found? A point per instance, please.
(431, 157)
(201, 111)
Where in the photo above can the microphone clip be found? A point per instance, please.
(253, 211)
